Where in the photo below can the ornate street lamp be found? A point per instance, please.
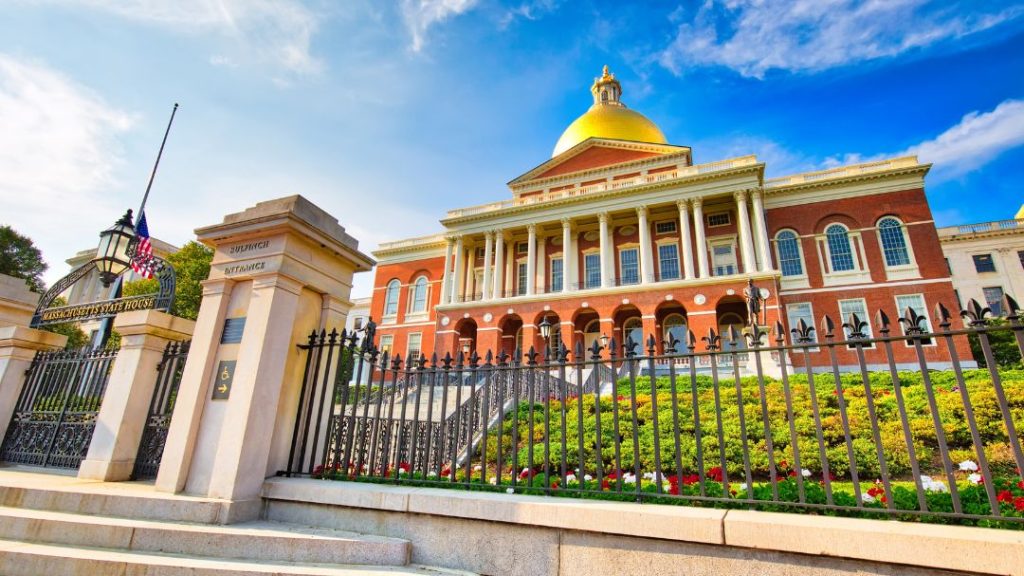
(545, 329)
(604, 340)
(112, 254)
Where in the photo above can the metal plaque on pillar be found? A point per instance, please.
(222, 384)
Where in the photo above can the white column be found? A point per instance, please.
(510, 268)
(607, 267)
(686, 250)
(467, 286)
(542, 265)
(761, 228)
(531, 258)
(457, 274)
(446, 278)
(568, 257)
(646, 256)
(488, 240)
(499, 264)
(701, 244)
(746, 241)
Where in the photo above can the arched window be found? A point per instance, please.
(391, 298)
(675, 329)
(418, 302)
(789, 253)
(726, 323)
(840, 254)
(894, 242)
(634, 330)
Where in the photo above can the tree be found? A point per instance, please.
(1003, 343)
(20, 258)
(191, 266)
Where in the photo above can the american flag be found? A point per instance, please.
(143, 261)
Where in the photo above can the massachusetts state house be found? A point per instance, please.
(619, 234)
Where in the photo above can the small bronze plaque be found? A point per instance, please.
(222, 382)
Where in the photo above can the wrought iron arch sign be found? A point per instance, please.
(162, 299)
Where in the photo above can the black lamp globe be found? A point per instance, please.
(545, 328)
(112, 254)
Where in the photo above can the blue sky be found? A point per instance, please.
(388, 112)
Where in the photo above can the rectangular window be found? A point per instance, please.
(669, 226)
(723, 259)
(521, 279)
(854, 306)
(718, 219)
(592, 270)
(994, 299)
(385, 343)
(801, 311)
(629, 266)
(984, 263)
(557, 279)
(522, 248)
(916, 303)
(358, 323)
(668, 261)
(479, 252)
(413, 348)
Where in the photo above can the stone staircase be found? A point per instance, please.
(57, 525)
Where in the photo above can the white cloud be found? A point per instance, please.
(755, 36)
(977, 139)
(59, 154)
(420, 15)
(529, 10)
(276, 32)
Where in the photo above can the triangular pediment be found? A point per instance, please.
(596, 153)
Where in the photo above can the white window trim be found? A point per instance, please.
(393, 317)
(408, 340)
(861, 272)
(639, 273)
(387, 342)
(927, 318)
(815, 348)
(904, 271)
(866, 318)
(990, 253)
(679, 261)
(411, 316)
(551, 267)
(799, 280)
(674, 223)
(727, 240)
(583, 267)
(728, 217)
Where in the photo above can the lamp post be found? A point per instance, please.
(545, 333)
(112, 257)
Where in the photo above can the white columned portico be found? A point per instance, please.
(488, 241)
(531, 258)
(746, 241)
(646, 255)
(684, 235)
(761, 231)
(606, 262)
(446, 279)
(568, 257)
(701, 244)
(499, 263)
(457, 275)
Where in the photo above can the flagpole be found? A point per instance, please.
(152, 175)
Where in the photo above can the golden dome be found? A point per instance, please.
(609, 118)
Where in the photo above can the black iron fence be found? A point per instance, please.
(56, 412)
(857, 438)
(161, 407)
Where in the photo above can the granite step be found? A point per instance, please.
(257, 540)
(34, 559)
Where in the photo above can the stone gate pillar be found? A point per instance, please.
(280, 269)
(125, 409)
(18, 342)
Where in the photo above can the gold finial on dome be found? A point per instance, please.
(609, 118)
